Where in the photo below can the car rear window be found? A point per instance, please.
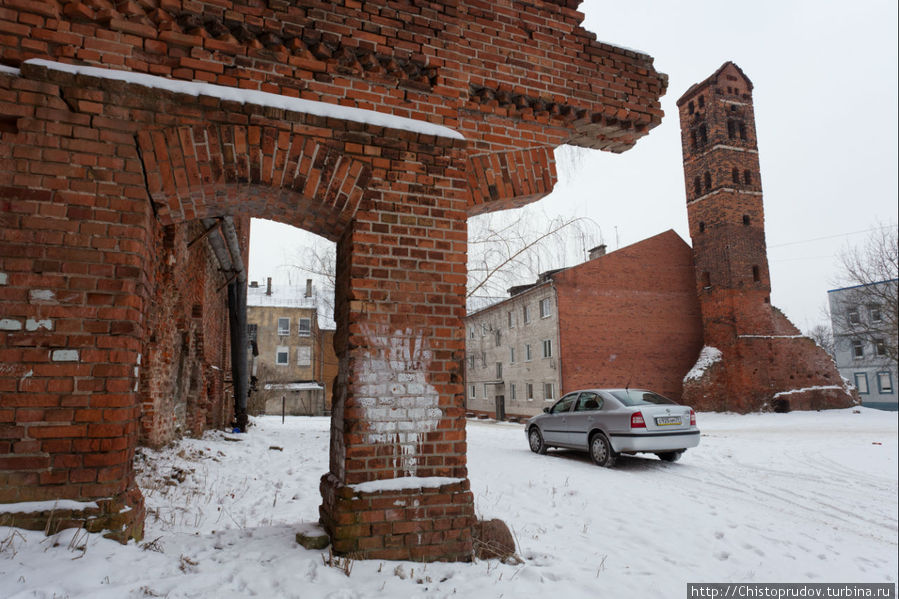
(635, 397)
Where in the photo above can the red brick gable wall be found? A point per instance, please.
(630, 317)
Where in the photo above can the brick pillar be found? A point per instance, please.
(398, 406)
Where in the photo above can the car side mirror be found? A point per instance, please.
(546, 410)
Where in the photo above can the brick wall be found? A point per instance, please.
(630, 317)
(766, 363)
(97, 176)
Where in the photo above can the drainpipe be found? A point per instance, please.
(226, 247)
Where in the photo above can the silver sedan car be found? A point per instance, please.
(609, 422)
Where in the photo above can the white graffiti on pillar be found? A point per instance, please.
(399, 404)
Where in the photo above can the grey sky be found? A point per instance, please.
(825, 94)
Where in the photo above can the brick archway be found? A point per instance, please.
(205, 171)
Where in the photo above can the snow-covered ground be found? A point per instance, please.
(799, 497)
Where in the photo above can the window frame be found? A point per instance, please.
(547, 302)
(529, 391)
(282, 349)
(880, 389)
(863, 376)
(853, 316)
(547, 348)
(300, 331)
(525, 314)
(283, 331)
(857, 349)
(552, 391)
(528, 354)
(307, 350)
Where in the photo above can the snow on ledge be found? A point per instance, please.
(708, 356)
(405, 482)
(27, 507)
(259, 98)
(804, 389)
(770, 336)
(9, 70)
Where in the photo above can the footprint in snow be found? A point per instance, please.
(722, 555)
(719, 534)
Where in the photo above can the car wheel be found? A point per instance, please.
(535, 440)
(601, 451)
(670, 456)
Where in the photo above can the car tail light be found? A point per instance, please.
(692, 418)
(637, 420)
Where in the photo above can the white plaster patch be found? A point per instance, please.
(65, 355)
(399, 403)
(41, 295)
(10, 324)
(33, 325)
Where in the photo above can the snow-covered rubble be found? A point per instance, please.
(798, 497)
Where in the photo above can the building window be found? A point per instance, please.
(747, 178)
(529, 391)
(706, 280)
(511, 316)
(701, 101)
(743, 131)
(731, 128)
(880, 347)
(691, 108)
(548, 392)
(486, 392)
(470, 362)
(858, 349)
(252, 332)
(861, 383)
(875, 313)
(525, 315)
(697, 186)
(483, 329)
(701, 227)
(527, 352)
(483, 359)
(755, 274)
(545, 307)
(853, 316)
(304, 356)
(547, 348)
(703, 135)
(499, 370)
(885, 382)
(305, 328)
(282, 355)
(707, 180)
(746, 220)
(693, 139)
(471, 333)
(283, 326)
(497, 337)
(512, 355)
(473, 391)
(512, 391)
(735, 175)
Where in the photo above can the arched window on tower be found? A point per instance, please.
(735, 175)
(747, 177)
(697, 186)
(690, 108)
(707, 179)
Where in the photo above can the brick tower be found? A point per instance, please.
(764, 362)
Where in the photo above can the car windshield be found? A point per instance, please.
(636, 397)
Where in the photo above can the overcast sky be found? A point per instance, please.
(825, 95)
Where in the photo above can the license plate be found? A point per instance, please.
(667, 420)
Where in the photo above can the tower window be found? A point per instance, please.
(755, 274)
(707, 179)
(697, 186)
(735, 175)
(701, 227)
(747, 177)
(701, 101)
(706, 280)
(691, 108)
(745, 220)
(731, 128)
(743, 131)
(703, 135)
(693, 139)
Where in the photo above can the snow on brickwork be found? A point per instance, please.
(708, 356)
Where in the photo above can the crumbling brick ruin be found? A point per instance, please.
(379, 125)
(755, 359)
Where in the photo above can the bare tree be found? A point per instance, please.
(823, 336)
(507, 249)
(865, 310)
